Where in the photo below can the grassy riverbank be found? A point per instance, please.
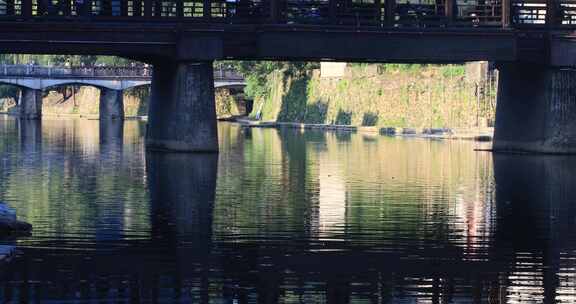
(416, 96)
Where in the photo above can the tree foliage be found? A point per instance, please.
(256, 73)
(73, 60)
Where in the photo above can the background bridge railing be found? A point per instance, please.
(58, 71)
(98, 72)
(354, 13)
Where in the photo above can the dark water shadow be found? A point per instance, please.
(536, 217)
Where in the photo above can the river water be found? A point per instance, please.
(282, 217)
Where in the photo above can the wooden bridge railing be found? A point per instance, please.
(97, 72)
(356, 13)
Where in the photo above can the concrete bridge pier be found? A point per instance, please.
(182, 112)
(111, 104)
(536, 110)
(31, 104)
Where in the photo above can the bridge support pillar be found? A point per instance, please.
(31, 104)
(111, 104)
(182, 112)
(536, 109)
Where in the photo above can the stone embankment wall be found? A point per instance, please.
(400, 96)
(84, 101)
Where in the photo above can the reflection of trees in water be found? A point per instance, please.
(60, 183)
(304, 180)
(418, 213)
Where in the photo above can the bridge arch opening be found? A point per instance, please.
(15, 85)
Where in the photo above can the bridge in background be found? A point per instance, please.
(531, 41)
(111, 81)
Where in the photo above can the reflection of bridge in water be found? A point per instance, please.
(112, 81)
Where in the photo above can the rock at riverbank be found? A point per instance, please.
(9, 223)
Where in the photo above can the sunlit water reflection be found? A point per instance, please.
(283, 217)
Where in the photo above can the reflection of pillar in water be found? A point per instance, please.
(30, 135)
(535, 198)
(111, 135)
(182, 188)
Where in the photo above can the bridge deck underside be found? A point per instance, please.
(149, 42)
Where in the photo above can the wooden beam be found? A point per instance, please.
(449, 6)
(67, 7)
(137, 8)
(390, 11)
(148, 8)
(10, 11)
(378, 12)
(124, 8)
(506, 12)
(27, 8)
(332, 11)
(207, 9)
(273, 11)
(552, 16)
(180, 9)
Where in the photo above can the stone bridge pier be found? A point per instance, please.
(31, 103)
(182, 111)
(111, 104)
(536, 110)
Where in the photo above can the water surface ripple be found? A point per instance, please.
(282, 216)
